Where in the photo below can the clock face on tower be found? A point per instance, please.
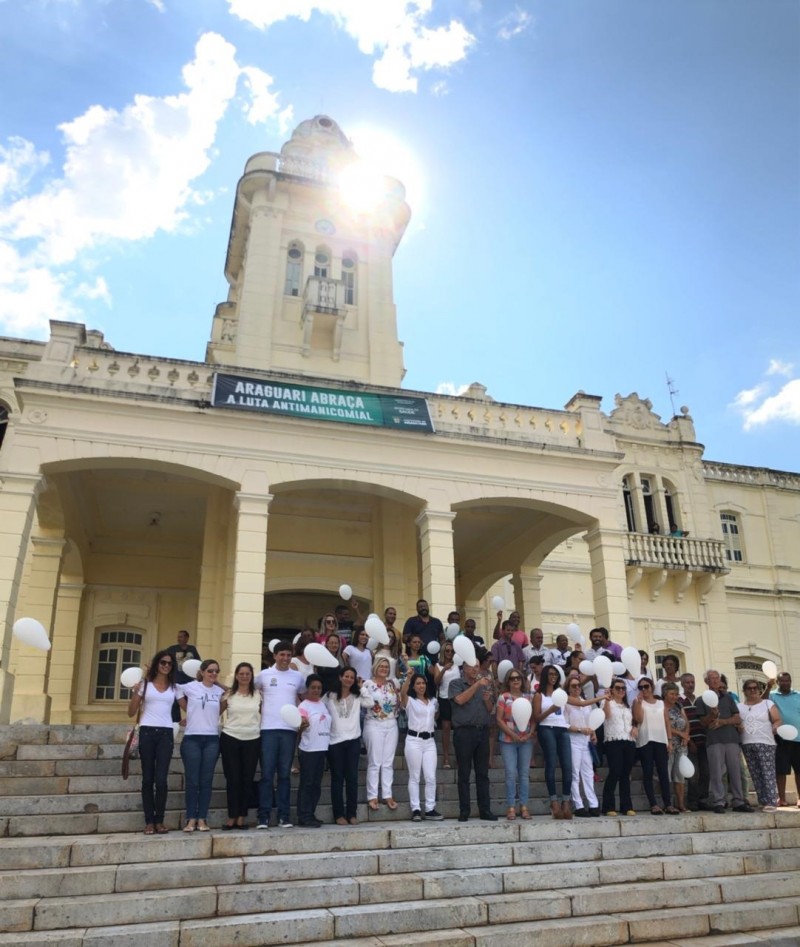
(325, 227)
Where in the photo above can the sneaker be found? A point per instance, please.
(416, 816)
(434, 816)
(766, 809)
(719, 809)
(581, 814)
(463, 816)
(262, 825)
(284, 824)
(611, 812)
(744, 807)
(631, 812)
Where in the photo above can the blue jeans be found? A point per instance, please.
(199, 754)
(555, 744)
(517, 761)
(277, 753)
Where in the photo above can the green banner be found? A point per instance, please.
(320, 404)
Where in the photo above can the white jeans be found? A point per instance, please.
(380, 739)
(582, 770)
(421, 759)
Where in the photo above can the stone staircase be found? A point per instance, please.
(703, 880)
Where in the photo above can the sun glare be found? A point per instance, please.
(380, 154)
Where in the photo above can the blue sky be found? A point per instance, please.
(603, 191)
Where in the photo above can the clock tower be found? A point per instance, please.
(309, 264)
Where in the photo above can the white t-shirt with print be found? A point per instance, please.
(202, 708)
(318, 735)
(278, 688)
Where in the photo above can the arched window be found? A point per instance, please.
(117, 649)
(4, 412)
(322, 262)
(732, 536)
(349, 263)
(673, 523)
(294, 268)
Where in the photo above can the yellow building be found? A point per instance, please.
(140, 495)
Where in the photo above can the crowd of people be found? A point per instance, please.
(530, 699)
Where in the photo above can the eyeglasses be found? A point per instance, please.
(330, 621)
(512, 679)
(619, 687)
(165, 664)
(212, 670)
(643, 687)
(752, 687)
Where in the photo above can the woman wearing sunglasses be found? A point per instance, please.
(760, 719)
(152, 699)
(581, 736)
(619, 747)
(516, 747)
(554, 740)
(652, 742)
(202, 703)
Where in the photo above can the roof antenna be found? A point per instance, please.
(672, 392)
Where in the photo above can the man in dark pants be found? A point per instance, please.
(182, 651)
(472, 707)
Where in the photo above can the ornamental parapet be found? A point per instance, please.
(751, 476)
(684, 561)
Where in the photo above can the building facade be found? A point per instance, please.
(140, 495)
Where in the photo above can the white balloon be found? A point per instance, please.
(686, 767)
(710, 699)
(191, 667)
(603, 670)
(31, 632)
(561, 676)
(787, 732)
(581, 641)
(273, 644)
(466, 649)
(632, 660)
(319, 656)
(619, 668)
(345, 592)
(498, 602)
(452, 631)
(770, 668)
(559, 697)
(433, 647)
(458, 660)
(586, 667)
(597, 718)
(521, 712)
(130, 677)
(372, 644)
(375, 628)
(296, 637)
(291, 715)
(573, 631)
(503, 670)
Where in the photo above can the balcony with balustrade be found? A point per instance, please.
(323, 315)
(682, 559)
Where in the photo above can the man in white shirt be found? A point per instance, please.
(536, 648)
(279, 685)
(558, 655)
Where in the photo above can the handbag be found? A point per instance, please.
(131, 751)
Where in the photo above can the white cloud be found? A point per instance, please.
(514, 23)
(758, 407)
(127, 174)
(450, 388)
(394, 31)
(777, 367)
(96, 290)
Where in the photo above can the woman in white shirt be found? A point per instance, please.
(153, 699)
(619, 746)
(315, 734)
(344, 707)
(240, 743)
(760, 719)
(554, 740)
(358, 656)
(652, 744)
(443, 673)
(420, 747)
(201, 700)
(380, 696)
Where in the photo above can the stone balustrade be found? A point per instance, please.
(754, 476)
(675, 553)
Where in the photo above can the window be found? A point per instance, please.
(627, 499)
(731, 536)
(294, 269)
(672, 519)
(118, 649)
(349, 278)
(649, 505)
(322, 262)
(3, 422)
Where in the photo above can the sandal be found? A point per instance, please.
(671, 810)
(353, 820)
(190, 826)
(161, 829)
(203, 826)
(149, 829)
(446, 765)
(511, 814)
(373, 804)
(341, 820)
(523, 812)
(555, 809)
(390, 803)
(656, 810)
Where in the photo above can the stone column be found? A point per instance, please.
(609, 585)
(527, 582)
(19, 492)
(247, 606)
(437, 560)
(65, 649)
(37, 600)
